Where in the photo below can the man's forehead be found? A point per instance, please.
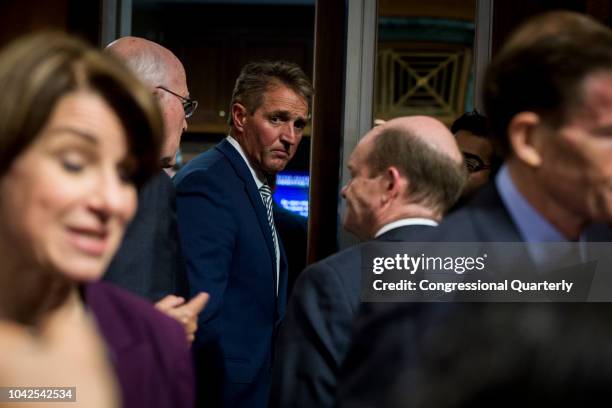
(598, 89)
(178, 81)
(284, 99)
(355, 156)
(472, 143)
(595, 100)
(361, 150)
(367, 142)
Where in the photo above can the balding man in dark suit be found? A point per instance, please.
(404, 175)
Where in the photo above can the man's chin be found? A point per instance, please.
(275, 166)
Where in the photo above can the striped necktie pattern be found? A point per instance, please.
(266, 195)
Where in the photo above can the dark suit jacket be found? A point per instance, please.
(149, 261)
(229, 252)
(386, 334)
(148, 349)
(387, 337)
(293, 232)
(315, 335)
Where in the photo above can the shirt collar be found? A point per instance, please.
(259, 179)
(403, 222)
(532, 226)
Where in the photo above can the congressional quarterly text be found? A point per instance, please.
(516, 285)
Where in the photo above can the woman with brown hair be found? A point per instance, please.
(78, 135)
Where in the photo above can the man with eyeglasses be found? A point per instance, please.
(474, 141)
(150, 262)
(189, 107)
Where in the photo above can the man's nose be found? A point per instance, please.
(289, 133)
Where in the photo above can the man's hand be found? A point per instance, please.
(185, 313)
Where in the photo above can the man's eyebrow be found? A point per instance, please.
(471, 156)
(83, 135)
(281, 113)
(285, 114)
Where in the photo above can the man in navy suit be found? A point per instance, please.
(229, 238)
(404, 175)
(548, 96)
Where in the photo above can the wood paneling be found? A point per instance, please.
(21, 17)
(78, 17)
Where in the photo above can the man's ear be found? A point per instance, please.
(239, 115)
(394, 184)
(525, 137)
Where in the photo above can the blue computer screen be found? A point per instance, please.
(292, 191)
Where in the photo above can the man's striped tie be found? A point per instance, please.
(266, 195)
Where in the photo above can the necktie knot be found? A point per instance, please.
(265, 191)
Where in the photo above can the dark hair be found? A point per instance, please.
(478, 124)
(436, 180)
(542, 68)
(38, 70)
(257, 77)
(472, 122)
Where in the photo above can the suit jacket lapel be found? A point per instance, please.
(254, 197)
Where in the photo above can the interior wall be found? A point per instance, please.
(78, 17)
(507, 15)
(21, 17)
(447, 9)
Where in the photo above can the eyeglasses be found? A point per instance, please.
(474, 163)
(189, 105)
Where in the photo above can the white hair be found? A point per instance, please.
(148, 66)
(146, 62)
